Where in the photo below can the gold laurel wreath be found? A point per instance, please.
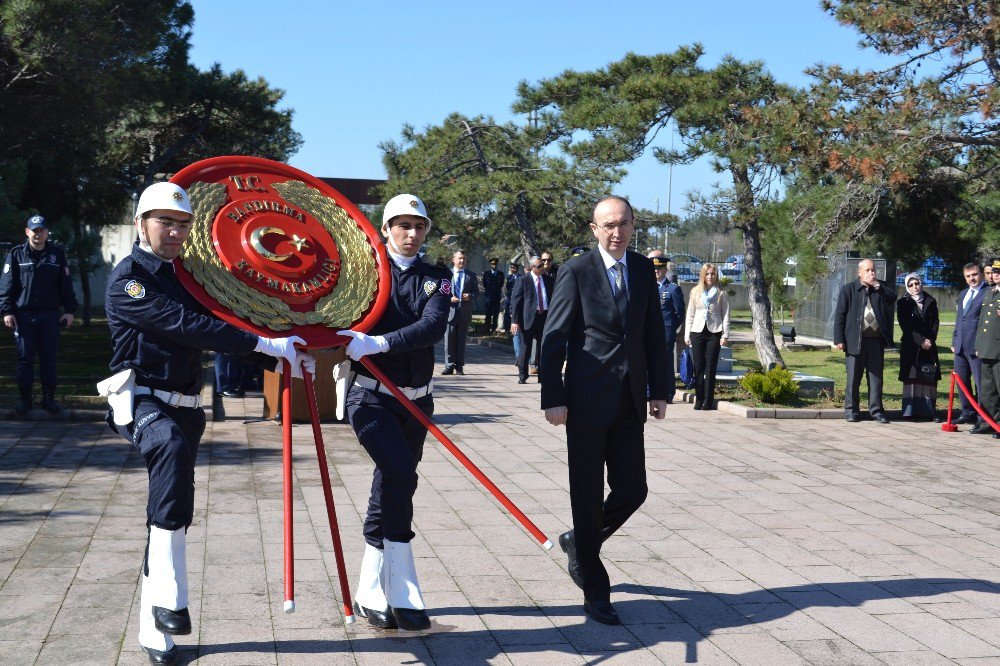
(353, 293)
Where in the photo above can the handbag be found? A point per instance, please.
(928, 371)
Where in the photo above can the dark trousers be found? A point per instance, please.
(506, 315)
(705, 354)
(37, 333)
(533, 334)
(989, 396)
(395, 442)
(620, 447)
(168, 438)
(671, 379)
(231, 373)
(968, 368)
(492, 316)
(870, 358)
(454, 339)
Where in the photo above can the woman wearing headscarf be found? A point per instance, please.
(917, 313)
(706, 329)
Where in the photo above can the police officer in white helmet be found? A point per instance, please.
(158, 333)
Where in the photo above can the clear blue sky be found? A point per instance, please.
(355, 72)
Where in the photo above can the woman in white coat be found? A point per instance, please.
(706, 329)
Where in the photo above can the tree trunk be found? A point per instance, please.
(760, 302)
(526, 229)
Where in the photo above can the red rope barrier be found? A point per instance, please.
(968, 395)
(462, 458)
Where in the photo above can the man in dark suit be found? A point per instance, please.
(604, 321)
(492, 288)
(528, 310)
(863, 328)
(464, 287)
(963, 340)
(672, 308)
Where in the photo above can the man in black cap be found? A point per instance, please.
(34, 285)
(988, 348)
(493, 283)
(672, 309)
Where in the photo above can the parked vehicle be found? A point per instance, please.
(732, 268)
(687, 266)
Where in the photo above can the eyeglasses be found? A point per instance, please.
(609, 228)
(171, 223)
(547, 261)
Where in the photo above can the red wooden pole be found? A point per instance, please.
(286, 455)
(948, 426)
(331, 511)
(462, 458)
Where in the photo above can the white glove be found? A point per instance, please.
(302, 360)
(280, 348)
(362, 345)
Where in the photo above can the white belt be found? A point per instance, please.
(172, 398)
(411, 393)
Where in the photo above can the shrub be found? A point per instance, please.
(775, 386)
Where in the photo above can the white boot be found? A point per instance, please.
(149, 636)
(168, 568)
(370, 593)
(402, 590)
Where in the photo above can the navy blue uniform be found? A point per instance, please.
(493, 284)
(159, 330)
(508, 287)
(414, 320)
(33, 286)
(672, 307)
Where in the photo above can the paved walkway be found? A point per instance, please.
(777, 542)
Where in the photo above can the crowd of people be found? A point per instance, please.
(602, 332)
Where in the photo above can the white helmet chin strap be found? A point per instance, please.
(143, 242)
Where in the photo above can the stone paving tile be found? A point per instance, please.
(760, 541)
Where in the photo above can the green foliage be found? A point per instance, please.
(775, 386)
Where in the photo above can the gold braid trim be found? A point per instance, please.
(355, 288)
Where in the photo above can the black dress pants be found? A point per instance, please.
(870, 357)
(533, 334)
(620, 447)
(705, 347)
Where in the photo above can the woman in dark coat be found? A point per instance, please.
(917, 313)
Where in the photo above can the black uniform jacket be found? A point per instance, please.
(36, 280)
(847, 328)
(414, 320)
(583, 327)
(160, 330)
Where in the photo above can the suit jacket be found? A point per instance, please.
(464, 308)
(672, 307)
(492, 284)
(715, 317)
(850, 311)
(584, 329)
(963, 339)
(524, 303)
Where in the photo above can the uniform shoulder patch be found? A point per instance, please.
(445, 287)
(134, 289)
(430, 286)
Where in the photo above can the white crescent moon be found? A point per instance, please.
(259, 233)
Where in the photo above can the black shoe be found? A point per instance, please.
(880, 418)
(23, 407)
(233, 393)
(937, 419)
(448, 371)
(459, 371)
(48, 403)
(602, 611)
(996, 435)
(568, 545)
(853, 418)
(410, 619)
(981, 429)
(698, 406)
(380, 619)
(175, 623)
(159, 656)
(522, 380)
(965, 418)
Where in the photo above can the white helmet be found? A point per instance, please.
(163, 196)
(403, 204)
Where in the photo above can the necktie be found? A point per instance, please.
(538, 287)
(621, 296)
(459, 283)
(969, 295)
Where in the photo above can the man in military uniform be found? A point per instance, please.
(34, 284)
(158, 331)
(401, 344)
(988, 348)
(492, 288)
(509, 282)
(672, 309)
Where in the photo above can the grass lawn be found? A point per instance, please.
(82, 361)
